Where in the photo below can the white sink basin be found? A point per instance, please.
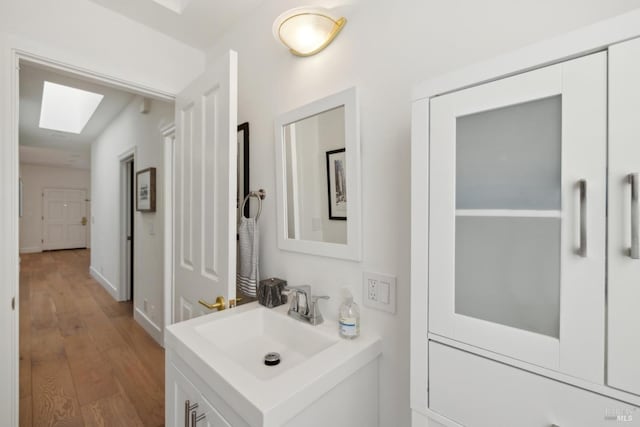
(248, 336)
(226, 351)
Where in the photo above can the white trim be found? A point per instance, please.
(589, 39)
(31, 250)
(126, 86)
(169, 136)
(106, 284)
(419, 257)
(148, 325)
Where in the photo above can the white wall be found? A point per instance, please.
(131, 130)
(385, 49)
(91, 37)
(36, 178)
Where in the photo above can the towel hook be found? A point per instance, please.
(260, 195)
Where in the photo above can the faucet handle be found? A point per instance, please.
(316, 317)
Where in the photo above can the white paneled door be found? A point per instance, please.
(64, 219)
(205, 189)
(623, 323)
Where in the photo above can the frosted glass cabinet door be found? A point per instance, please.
(517, 216)
(624, 266)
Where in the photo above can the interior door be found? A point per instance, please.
(623, 343)
(64, 219)
(205, 189)
(517, 216)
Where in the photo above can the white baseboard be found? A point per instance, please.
(31, 250)
(147, 324)
(108, 286)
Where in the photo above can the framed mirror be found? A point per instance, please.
(318, 178)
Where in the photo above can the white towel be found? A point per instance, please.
(249, 243)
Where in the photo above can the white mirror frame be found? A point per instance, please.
(353, 249)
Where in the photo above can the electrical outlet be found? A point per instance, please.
(372, 285)
(379, 291)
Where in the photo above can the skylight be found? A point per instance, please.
(67, 109)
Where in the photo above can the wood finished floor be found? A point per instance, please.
(84, 361)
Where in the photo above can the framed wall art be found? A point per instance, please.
(146, 190)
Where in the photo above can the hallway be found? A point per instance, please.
(83, 359)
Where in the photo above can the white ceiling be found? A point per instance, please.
(55, 157)
(199, 25)
(32, 79)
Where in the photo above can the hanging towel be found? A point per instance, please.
(249, 243)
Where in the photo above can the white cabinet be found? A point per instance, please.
(186, 405)
(623, 352)
(526, 170)
(517, 217)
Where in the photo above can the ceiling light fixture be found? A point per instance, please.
(306, 31)
(67, 109)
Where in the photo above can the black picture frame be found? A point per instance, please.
(243, 167)
(336, 184)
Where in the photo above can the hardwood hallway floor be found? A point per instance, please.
(84, 361)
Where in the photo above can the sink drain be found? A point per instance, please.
(272, 359)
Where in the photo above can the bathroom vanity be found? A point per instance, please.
(216, 375)
(526, 258)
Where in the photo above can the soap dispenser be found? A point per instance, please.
(349, 317)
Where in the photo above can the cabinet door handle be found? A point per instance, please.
(582, 185)
(195, 418)
(188, 407)
(634, 250)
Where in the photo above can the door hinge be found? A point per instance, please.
(43, 218)
(42, 241)
(13, 303)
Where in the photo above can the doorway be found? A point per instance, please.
(128, 224)
(69, 324)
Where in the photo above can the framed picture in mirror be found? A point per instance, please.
(337, 184)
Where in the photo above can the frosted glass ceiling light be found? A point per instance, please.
(67, 109)
(306, 31)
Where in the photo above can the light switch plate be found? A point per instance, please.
(379, 291)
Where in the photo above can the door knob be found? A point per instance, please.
(220, 304)
(84, 220)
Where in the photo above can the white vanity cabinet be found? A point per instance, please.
(528, 311)
(181, 390)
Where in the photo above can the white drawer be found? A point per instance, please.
(477, 392)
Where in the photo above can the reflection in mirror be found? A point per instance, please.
(315, 168)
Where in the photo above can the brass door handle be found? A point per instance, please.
(84, 220)
(219, 305)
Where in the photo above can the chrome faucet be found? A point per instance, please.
(304, 306)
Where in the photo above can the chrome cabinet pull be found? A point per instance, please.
(582, 250)
(634, 250)
(195, 418)
(188, 407)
